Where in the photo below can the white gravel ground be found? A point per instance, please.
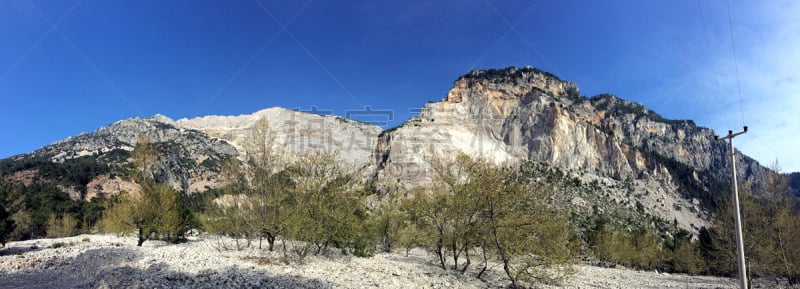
(108, 261)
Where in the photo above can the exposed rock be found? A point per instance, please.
(106, 185)
(192, 150)
(526, 114)
(295, 133)
(630, 154)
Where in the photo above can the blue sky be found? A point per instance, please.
(72, 66)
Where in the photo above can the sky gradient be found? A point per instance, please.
(73, 66)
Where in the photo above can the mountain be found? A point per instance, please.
(614, 157)
(191, 150)
(532, 115)
(294, 133)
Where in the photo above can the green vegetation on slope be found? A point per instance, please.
(42, 208)
(75, 172)
(31, 207)
(711, 193)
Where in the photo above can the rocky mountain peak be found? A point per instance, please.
(161, 118)
(226, 122)
(510, 83)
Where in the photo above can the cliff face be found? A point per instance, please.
(293, 133)
(529, 114)
(526, 114)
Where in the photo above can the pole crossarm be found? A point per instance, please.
(736, 211)
(731, 135)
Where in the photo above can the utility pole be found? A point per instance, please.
(736, 213)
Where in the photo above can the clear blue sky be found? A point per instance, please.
(70, 66)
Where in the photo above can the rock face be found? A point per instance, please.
(192, 150)
(508, 115)
(526, 114)
(187, 156)
(294, 133)
(530, 114)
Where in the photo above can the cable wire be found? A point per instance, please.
(710, 54)
(735, 61)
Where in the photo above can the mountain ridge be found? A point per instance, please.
(511, 114)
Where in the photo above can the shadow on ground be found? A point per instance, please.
(111, 268)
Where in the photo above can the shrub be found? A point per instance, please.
(61, 227)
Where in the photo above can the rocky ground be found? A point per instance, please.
(108, 261)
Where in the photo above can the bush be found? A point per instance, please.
(640, 249)
(61, 227)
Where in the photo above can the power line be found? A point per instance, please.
(735, 61)
(767, 146)
(708, 49)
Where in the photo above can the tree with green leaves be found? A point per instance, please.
(267, 185)
(386, 223)
(770, 227)
(156, 211)
(327, 207)
(64, 226)
(6, 226)
(531, 238)
(256, 200)
(6, 223)
(688, 258)
(476, 205)
(229, 213)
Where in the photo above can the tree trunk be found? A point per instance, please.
(454, 248)
(319, 248)
(142, 238)
(502, 253)
(485, 260)
(439, 247)
(466, 255)
(440, 253)
(271, 241)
